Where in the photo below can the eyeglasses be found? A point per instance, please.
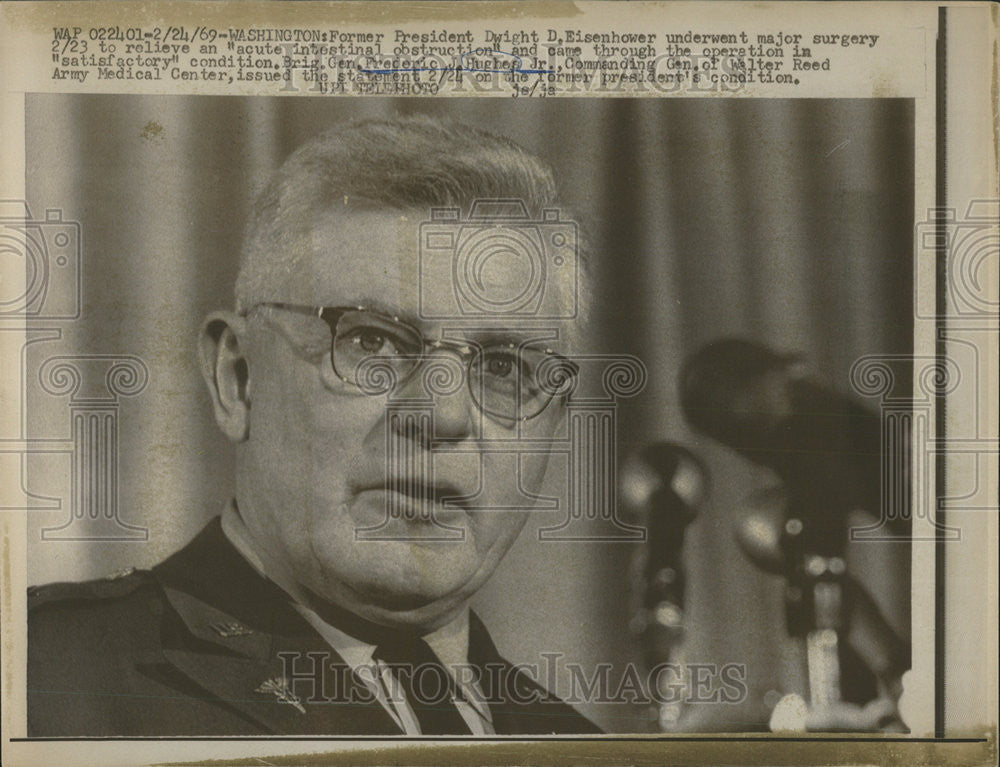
(511, 381)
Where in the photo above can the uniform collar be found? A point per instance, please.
(209, 580)
(227, 631)
(229, 622)
(353, 637)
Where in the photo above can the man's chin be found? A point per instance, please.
(391, 592)
(399, 609)
(403, 597)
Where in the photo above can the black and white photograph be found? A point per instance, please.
(397, 419)
(298, 232)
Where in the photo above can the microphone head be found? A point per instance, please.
(823, 444)
(736, 391)
(663, 479)
(759, 530)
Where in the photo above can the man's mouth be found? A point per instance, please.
(417, 499)
(438, 492)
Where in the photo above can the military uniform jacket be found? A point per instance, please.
(201, 645)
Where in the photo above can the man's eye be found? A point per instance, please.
(374, 341)
(370, 341)
(507, 370)
(500, 366)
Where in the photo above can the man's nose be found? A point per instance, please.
(441, 384)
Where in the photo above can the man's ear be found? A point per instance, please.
(223, 364)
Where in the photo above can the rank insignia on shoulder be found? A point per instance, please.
(231, 629)
(279, 686)
(122, 573)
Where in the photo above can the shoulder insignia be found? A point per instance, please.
(123, 572)
(117, 584)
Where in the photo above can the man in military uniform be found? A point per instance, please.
(331, 596)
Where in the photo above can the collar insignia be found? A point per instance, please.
(230, 629)
(279, 686)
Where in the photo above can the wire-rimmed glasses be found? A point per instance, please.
(507, 380)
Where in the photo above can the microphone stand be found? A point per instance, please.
(662, 486)
(815, 606)
(828, 452)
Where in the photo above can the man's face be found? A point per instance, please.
(313, 471)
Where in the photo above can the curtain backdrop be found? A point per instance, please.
(784, 221)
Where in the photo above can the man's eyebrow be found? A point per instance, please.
(379, 306)
(512, 337)
(499, 335)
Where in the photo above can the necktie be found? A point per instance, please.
(429, 688)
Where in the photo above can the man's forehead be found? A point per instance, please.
(374, 258)
(340, 257)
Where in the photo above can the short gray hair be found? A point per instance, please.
(405, 163)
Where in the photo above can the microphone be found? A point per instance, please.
(661, 488)
(825, 446)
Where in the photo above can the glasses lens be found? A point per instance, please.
(505, 381)
(362, 335)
